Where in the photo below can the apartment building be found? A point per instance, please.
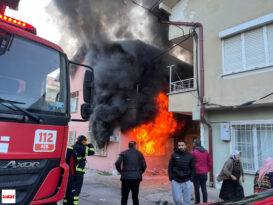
(230, 91)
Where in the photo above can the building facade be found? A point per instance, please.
(232, 51)
(103, 159)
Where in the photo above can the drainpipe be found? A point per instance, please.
(201, 59)
(155, 5)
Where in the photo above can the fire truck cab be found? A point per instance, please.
(34, 113)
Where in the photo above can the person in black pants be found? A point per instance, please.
(203, 164)
(82, 149)
(134, 166)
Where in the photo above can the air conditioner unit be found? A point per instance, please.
(196, 114)
(114, 138)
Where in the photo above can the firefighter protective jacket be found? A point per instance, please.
(81, 152)
(71, 160)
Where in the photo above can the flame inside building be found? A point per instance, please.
(157, 139)
(127, 49)
(153, 137)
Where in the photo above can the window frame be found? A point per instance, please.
(76, 97)
(71, 141)
(102, 152)
(243, 51)
(254, 142)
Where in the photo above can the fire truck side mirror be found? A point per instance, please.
(86, 110)
(88, 87)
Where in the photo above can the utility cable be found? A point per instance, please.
(170, 48)
(241, 105)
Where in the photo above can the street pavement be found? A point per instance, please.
(103, 189)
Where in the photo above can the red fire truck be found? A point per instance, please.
(34, 113)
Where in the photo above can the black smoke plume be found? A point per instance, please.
(128, 72)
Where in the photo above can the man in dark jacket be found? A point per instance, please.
(134, 166)
(81, 149)
(203, 164)
(181, 171)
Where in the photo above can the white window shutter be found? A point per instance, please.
(269, 29)
(254, 48)
(232, 54)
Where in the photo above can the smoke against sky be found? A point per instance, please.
(122, 41)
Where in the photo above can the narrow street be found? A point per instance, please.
(100, 189)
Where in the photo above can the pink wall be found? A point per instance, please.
(105, 163)
(76, 84)
(102, 163)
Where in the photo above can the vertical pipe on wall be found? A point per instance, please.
(201, 59)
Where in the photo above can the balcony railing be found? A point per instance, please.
(182, 85)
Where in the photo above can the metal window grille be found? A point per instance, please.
(255, 141)
(182, 85)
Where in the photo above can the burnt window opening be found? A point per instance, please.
(182, 74)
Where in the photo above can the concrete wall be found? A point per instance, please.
(105, 163)
(222, 149)
(216, 16)
(183, 102)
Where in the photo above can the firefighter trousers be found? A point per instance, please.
(78, 186)
(74, 188)
(70, 191)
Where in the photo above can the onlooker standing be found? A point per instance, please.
(264, 176)
(203, 164)
(231, 172)
(181, 172)
(134, 166)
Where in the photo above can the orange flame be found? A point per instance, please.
(153, 137)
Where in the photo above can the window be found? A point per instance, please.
(71, 138)
(74, 101)
(255, 141)
(20, 60)
(98, 151)
(248, 50)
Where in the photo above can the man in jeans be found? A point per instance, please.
(203, 164)
(181, 171)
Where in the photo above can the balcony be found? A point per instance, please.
(183, 97)
(182, 86)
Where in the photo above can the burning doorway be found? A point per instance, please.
(158, 138)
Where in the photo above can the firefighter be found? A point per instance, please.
(81, 149)
(71, 161)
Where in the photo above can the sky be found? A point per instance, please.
(34, 12)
